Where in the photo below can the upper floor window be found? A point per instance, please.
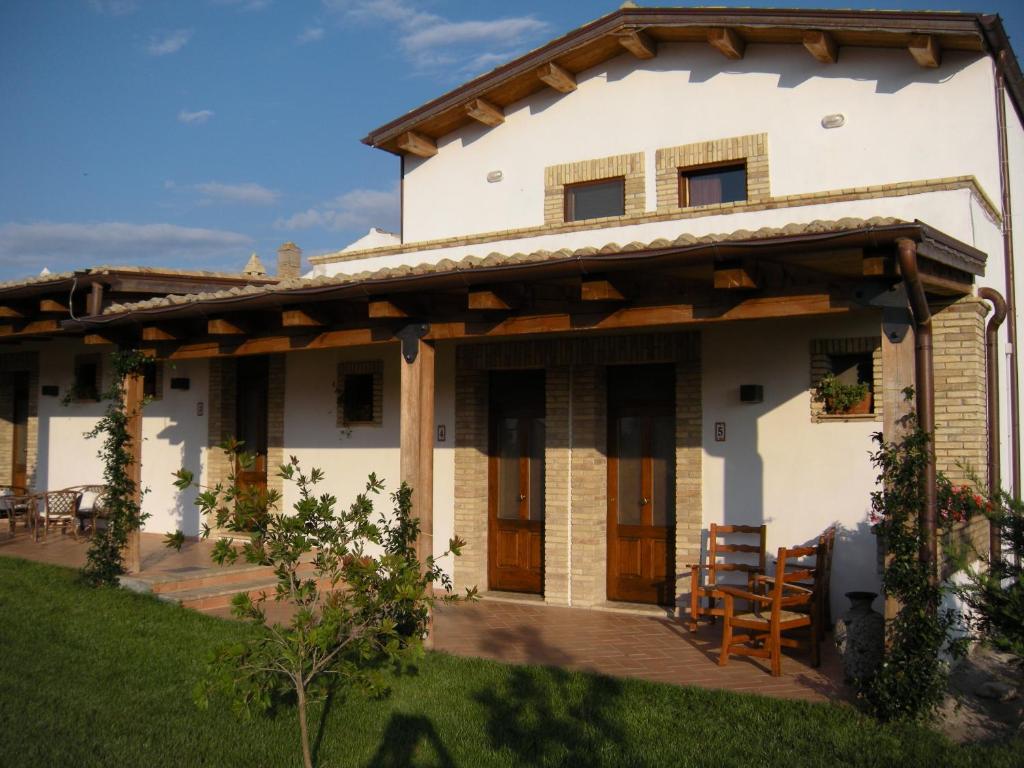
(595, 199)
(86, 388)
(712, 186)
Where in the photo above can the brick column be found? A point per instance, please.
(556, 486)
(589, 487)
(689, 463)
(275, 421)
(220, 418)
(471, 477)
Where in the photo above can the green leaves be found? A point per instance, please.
(174, 540)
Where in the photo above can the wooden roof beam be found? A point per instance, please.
(727, 41)
(600, 290)
(221, 326)
(162, 332)
(487, 300)
(382, 308)
(301, 318)
(562, 80)
(639, 43)
(734, 275)
(53, 306)
(926, 50)
(415, 143)
(822, 46)
(8, 312)
(31, 328)
(485, 112)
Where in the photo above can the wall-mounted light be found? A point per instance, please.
(180, 383)
(495, 176)
(751, 393)
(835, 120)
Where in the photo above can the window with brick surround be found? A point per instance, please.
(153, 379)
(86, 387)
(712, 185)
(851, 361)
(595, 199)
(360, 393)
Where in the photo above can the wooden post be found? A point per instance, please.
(417, 436)
(898, 373)
(133, 393)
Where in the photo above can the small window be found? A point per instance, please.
(357, 398)
(712, 186)
(595, 199)
(87, 378)
(152, 380)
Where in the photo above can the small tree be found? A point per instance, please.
(358, 596)
(994, 591)
(911, 680)
(104, 560)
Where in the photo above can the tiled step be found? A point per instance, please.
(209, 577)
(213, 596)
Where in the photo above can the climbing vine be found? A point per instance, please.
(911, 681)
(124, 513)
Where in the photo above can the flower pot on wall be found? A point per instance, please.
(864, 406)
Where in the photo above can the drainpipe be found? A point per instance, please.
(1011, 301)
(924, 386)
(992, 382)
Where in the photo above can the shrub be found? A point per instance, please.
(837, 396)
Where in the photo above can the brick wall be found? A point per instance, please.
(14, 363)
(576, 467)
(670, 160)
(629, 167)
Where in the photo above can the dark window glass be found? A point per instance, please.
(853, 369)
(592, 201)
(358, 397)
(710, 186)
(87, 380)
(149, 379)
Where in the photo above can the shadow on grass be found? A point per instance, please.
(406, 741)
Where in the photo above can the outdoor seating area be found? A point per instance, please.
(76, 510)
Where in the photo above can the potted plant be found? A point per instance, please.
(843, 399)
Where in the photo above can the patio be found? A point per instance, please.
(609, 642)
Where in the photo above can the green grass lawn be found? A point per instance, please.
(103, 678)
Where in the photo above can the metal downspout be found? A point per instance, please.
(925, 391)
(1011, 301)
(992, 387)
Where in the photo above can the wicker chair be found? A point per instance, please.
(15, 505)
(57, 508)
(91, 507)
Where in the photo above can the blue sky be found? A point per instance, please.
(189, 133)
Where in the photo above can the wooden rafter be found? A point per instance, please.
(600, 290)
(300, 318)
(639, 43)
(822, 46)
(926, 50)
(562, 80)
(383, 308)
(486, 300)
(727, 41)
(732, 276)
(30, 328)
(8, 312)
(417, 144)
(222, 326)
(53, 306)
(161, 332)
(485, 112)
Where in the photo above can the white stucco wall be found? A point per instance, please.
(776, 466)
(903, 123)
(1015, 142)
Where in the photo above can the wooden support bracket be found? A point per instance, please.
(822, 46)
(562, 80)
(727, 41)
(220, 326)
(926, 50)
(53, 306)
(300, 318)
(485, 112)
(383, 308)
(600, 290)
(417, 144)
(639, 43)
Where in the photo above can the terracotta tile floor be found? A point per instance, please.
(606, 642)
(628, 645)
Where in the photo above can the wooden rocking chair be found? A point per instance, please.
(785, 607)
(721, 544)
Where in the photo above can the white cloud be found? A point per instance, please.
(247, 193)
(310, 35)
(168, 43)
(358, 209)
(114, 7)
(62, 246)
(195, 118)
(431, 42)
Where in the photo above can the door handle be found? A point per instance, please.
(644, 501)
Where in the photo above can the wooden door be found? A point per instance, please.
(19, 419)
(516, 482)
(641, 484)
(251, 407)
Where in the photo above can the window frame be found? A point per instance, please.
(682, 180)
(96, 393)
(347, 389)
(568, 214)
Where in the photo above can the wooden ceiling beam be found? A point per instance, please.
(822, 46)
(485, 112)
(99, 338)
(486, 300)
(415, 143)
(639, 43)
(734, 275)
(53, 306)
(162, 332)
(8, 312)
(384, 309)
(600, 290)
(301, 318)
(31, 328)
(221, 326)
(926, 50)
(562, 80)
(727, 41)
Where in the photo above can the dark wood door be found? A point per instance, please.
(252, 390)
(516, 482)
(19, 419)
(641, 484)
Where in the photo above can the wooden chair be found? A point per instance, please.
(15, 503)
(721, 543)
(91, 507)
(784, 608)
(821, 603)
(55, 508)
